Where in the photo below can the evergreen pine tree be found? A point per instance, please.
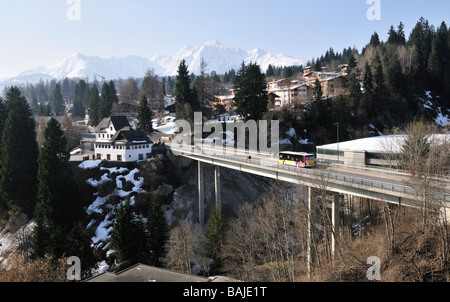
(374, 40)
(378, 76)
(393, 36)
(270, 72)
(394, 74)
(317, 90)
(84, 93)
(78, 110)
(251, 94)
(112, 93)
(216, 232)
(94, 107)
(368, 79)
(157, 231)
(144, 116)
(163, 86)
(52, 159)
(3, 115)
(183, 92)
(352, 81)
(18, 153)
(401, 34)
(437, 61)
(59, 210)
(58, 101)
(128, 236)
(80, 245)
(105, 103)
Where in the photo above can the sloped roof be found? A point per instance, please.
(146, 273)
(130, 136)
(119, 122)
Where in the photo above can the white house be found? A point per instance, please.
(116, 140)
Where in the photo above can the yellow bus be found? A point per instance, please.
(297, 159)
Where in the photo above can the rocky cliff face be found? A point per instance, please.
(238, 188)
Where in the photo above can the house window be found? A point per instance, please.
(99, 156)
(108, 156)
(141, 156)
(119, 157)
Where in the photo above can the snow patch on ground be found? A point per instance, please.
(102, 209)
(89, 164)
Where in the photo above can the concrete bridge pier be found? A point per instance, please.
(201, 191)
(309, 255)
(217, 189)
(334, 222)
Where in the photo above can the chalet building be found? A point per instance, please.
(285, 92)
(332, 86)
(332, 83)
(226, 101)
(116, 140)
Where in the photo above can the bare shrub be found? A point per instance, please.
(17, 268)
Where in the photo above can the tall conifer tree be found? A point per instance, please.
(18, 153)
(157, 231)
(251, 95)
(58, 101)
(94, 106)
(183, 91)
(59, 209)
(144, 116)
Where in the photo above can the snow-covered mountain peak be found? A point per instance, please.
(214, 43)
(218, 57)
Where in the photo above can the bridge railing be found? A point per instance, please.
(273, 163)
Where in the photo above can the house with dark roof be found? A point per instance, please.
(116, 140)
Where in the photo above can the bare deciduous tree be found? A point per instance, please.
(129, 92)
(151, 88)
(186, 248)
(265, 242)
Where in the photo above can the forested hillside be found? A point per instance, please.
(390, 84)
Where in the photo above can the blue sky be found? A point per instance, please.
(37, 33)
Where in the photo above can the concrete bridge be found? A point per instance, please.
(377, 184)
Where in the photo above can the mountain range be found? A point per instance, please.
(217, 56)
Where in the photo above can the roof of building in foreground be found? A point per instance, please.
(119, 122)
(146, 273)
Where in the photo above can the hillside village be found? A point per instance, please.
(105, 142)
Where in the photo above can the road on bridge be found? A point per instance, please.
(375, 177)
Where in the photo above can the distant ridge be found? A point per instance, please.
(217, 56)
